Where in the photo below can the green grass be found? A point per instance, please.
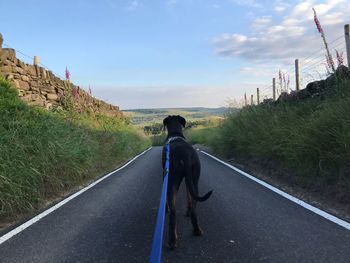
(44, 153)
(310, 137)
(158, 140)
(200, 135)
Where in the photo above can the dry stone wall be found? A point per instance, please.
(40, 87)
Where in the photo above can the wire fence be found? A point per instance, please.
(30, 59)
(310, 68)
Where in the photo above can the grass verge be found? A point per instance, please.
(309, 137)
(44, 153)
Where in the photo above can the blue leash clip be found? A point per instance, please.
(157, 244)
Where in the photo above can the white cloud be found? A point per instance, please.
(250, 3)
(261, 23)
(171, 2)
(302, 9)
(295, 36)
(133, 5)
(280, 8)
(247, 70)
(236, 38)
(260, 71)
(290, 21)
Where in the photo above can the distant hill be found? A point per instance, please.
(146, 116)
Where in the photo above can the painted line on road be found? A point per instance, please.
(307, 206)
(35, 219)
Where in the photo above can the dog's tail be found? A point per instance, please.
(201, 198)
(191, 187)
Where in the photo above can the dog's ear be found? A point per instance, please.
(165, 122)
(182, 120)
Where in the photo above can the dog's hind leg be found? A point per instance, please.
(189, 202)
(197, 231)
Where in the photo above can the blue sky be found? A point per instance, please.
(176, 53)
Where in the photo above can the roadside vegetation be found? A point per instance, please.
(45, 154)
(309, 137)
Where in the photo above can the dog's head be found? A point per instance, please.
(174, 124)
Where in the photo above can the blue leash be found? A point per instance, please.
(157, 245)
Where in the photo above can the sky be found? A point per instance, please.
(174, 53)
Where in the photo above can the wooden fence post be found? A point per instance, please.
(257, 96)
(347, 42)
(36, 61)
(297, 75)
(251, 100)
(1, 41)
(245, 99)
(274, 88)
(36, 65)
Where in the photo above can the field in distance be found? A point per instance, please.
(148, 116)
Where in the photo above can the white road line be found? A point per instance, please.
(64, 201)
(307, 206)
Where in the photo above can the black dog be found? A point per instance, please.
(184, 163)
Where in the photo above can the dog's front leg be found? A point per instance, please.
(171, 198)
(189, 202)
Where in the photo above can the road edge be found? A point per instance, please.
(302, 203)
(48, 211)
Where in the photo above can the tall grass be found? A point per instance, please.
(201, 135)
(312, 137)
(43, 154)
(158, 140)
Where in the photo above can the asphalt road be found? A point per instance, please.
(243, 222)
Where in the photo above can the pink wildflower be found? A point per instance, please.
(330, 62)
(329, 58)
(340, 58)
(75, 93)
(280, 78)
(90, 92)
(67, 74)
(280, 75)
(317, 22)
(293, 93)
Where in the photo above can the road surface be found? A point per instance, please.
(243, 222)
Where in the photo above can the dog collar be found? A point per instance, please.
(171, 139)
